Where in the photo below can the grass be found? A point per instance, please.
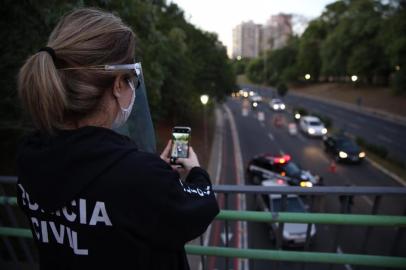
(374, 97)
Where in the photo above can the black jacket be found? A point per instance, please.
(95, 202)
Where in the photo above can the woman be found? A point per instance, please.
(92, 199)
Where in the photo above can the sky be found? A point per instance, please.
(221, 16)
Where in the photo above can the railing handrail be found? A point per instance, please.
(288, 217)
(299, 256)
(261, 254)
(317, 190)
(8, 179)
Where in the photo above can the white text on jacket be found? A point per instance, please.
(46, 230)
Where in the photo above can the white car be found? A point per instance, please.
(277, 105)
(294, 234)
(312, 126)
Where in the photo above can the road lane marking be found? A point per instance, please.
(301, 138)
(271, 137)
(242, 242)
(354, 125)
(368, 200)
(391, 130)
(386, 139)
(340, 251)
(219, 127)
(392, 175)
(361, 119)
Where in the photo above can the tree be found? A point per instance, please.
(308, 59)
(393, 38)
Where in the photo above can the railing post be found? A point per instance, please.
(345, 205)
(9, 248)
(202, 257)
(374, 210)
(398, 236)
(226, 228)
(308, 230)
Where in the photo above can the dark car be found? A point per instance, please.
(267, 166)
(343, 148)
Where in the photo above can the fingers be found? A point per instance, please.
(181, 161)
(165, 153)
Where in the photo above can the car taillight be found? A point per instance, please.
(280, 182)
(283, 159)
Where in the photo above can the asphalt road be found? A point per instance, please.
(373, 129)
(257, 137)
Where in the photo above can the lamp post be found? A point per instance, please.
(204, 99)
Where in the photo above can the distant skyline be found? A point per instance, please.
(221, 16)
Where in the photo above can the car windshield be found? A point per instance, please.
(293, 205)
(314, 123)
(347, 144)
(291, 168)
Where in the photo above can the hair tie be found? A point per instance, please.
(50, 51)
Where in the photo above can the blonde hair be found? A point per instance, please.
(84, 37)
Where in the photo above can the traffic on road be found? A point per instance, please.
(276, 150)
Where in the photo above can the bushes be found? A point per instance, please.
(282, 89)
(378, 150)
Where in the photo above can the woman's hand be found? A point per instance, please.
(188, 163)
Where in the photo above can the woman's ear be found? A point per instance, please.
(119, 85)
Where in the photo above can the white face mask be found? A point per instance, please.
(124, 113)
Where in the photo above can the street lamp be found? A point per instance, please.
(204, 99)
(307, 76)
(354, 78)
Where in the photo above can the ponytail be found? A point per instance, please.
(57, 96)
(42, 92)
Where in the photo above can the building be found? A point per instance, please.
(246, 40)
(250, 39)
(280, 30)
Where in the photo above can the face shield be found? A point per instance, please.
(139, 125)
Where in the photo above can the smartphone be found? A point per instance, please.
(180, 143)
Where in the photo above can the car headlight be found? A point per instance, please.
(342, 154)
(282, 106)
(311, 131)
(297, 116)
(275, 107)
(324, 131)
(306, 184)
(255, 104)
(362, 155)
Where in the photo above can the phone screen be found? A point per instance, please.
(180, 142)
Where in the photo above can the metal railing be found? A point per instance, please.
(370, 220)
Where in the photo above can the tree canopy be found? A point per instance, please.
(180, 61)
(366, 38)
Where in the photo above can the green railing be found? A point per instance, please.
(281, 255)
